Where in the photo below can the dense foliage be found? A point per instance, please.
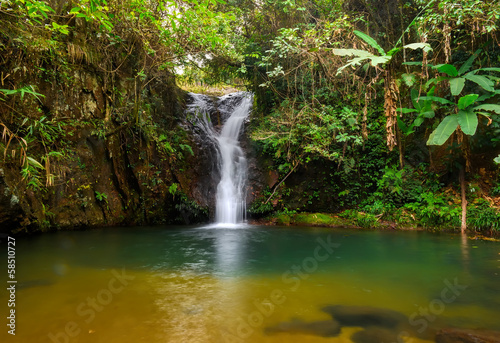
(390, 107)
(94, 73)
(379, 96)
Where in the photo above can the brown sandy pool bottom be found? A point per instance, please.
(210, 299)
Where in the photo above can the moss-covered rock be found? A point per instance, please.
(282, 219)
(310, 219)
(317, 219)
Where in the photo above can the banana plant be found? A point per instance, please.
(375, 59)
(383, 59)
(465, 109)
(423, 109)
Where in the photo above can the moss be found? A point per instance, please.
(310, 219)
(317, 219)
(283, 219)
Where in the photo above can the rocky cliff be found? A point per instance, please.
(89, 160)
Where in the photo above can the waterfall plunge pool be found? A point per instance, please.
(246, 284)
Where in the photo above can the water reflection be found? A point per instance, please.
(191, 284)
(464, 247)
(228, 244)
(230, 248)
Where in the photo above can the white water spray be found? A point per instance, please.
(231, 192)
(232, 164)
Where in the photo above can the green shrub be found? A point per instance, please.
(362, 219)
(434, 210)
(367, 220)
(482, 217)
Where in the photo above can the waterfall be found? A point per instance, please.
(231, 161)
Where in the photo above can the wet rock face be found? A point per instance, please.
(257, 169)
(201, 179)
(11, 213)
(453, 335)
(111, 173)
(225, 105)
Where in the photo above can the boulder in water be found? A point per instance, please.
(375, 334)
(323, 328)
(452, 335)
(34, 283)
(366, 316)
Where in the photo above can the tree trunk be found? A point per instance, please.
(390, 106)
(464, 200)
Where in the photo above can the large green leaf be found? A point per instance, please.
(437, 99)
(435, 80)
(414, 98)
(447, 69)
(370, 41)
(467, 100)
(457, 85)
(428, 114)
(375, 60)
(485, 97)
(468, 121)
(488, 107)
(402, 126)
(482, 81)
(431, 91)
(354, 62)
(497, 159)
(466, 66)
(424, 46)
(418, 121)
(409, 79)
(417, 64)
(34, 162)
(406, 110)
(352, 52)
(490, 69)
(443, 131)
(393, 51)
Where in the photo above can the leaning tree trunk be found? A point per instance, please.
(463, 227)
(463, 139)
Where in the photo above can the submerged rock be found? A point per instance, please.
(34, 283)
(375, 335)
(366, 316)
(323, 328)
(452, 335)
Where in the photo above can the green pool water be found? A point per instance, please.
(215, 284)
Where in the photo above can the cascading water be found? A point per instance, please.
(231, 161)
